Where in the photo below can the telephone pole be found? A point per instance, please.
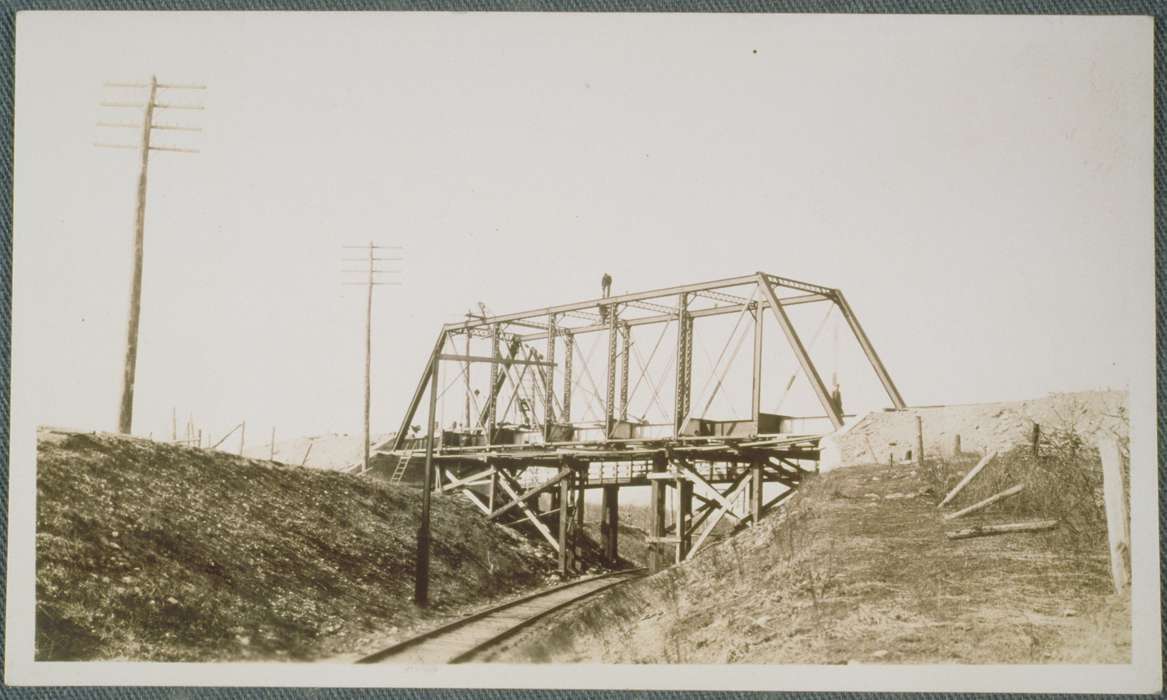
(146, 127)
(376, 256)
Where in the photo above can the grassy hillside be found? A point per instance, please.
(858, 568)
(148, 551)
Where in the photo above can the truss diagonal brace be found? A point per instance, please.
(889, 386)
(422, 385)
(800, 352)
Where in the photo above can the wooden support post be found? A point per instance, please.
(956, 445)
(654, 558)
(684, 517)
(581, 480)
(756, 484)
(1117, 525)
(610, 524)
(1035, 439)
(242, 434)
(493, 496)
(919, 441)
(272, 453)
(565, 562)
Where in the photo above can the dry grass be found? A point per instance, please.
(147, 551)
(858, 569)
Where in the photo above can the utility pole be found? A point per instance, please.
(147, 127)
(375, 256)
(421, 582)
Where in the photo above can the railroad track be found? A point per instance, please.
(465, 639)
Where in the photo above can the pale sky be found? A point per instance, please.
(980, 188)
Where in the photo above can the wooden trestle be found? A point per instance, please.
(723, 471)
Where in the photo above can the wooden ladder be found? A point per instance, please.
(402, 465)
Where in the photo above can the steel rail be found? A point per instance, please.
(438, 632)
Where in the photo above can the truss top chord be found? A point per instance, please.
(168, 105)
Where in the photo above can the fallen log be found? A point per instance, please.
(984, 530)
(1012, 491)
(967, 478)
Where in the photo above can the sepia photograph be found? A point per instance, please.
(706, 351)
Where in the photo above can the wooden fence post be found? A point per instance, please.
(919, 441)
(1116, 513)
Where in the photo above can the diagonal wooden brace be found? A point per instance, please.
(529, 494)
(531, 517)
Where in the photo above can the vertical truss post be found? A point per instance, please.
(469, 388)
(625, 361)
(889, 386)
(549, 383)
(492, 400)
(684, 360)
(568, 377)
(756, 404)
(610, 388)
(799, 349)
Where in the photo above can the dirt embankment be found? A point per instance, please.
(858, 569)
(147, 551)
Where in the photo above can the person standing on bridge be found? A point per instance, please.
(606, 291)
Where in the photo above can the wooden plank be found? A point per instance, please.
(983, 530)
(1011, 491)
(543, 529)
(1116, 513)
(967, 478)
(466, 480)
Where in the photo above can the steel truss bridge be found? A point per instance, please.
(533, 472)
